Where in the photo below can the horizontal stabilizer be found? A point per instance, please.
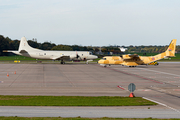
(5, 50)
(9, 51)
(16, 52)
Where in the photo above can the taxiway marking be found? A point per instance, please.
(121, 87)
(162, 104)
(160, 72)
(135, 75)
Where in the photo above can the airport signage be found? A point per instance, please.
(131, 87)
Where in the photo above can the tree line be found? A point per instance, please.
(150, 49)
(7, 44)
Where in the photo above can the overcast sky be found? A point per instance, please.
(92, 22)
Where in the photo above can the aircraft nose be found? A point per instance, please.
(100, 62)
(94, 56)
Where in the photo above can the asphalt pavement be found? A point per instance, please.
(158, 83)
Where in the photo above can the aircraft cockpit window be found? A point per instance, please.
(104, 58)
(90, 53)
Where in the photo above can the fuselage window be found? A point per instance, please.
(82, 54)
(44, 53)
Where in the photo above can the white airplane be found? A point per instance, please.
(28, 51)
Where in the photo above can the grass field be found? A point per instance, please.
(72, 101)
(77, 118)
(22, 59)
(15, 57)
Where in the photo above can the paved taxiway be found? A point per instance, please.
(90, 112)
(160, 83)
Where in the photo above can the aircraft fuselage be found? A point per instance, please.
(82, 55)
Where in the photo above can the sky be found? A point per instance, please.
(92, 22)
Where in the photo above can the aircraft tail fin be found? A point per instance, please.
(170, 52)
(24, 46)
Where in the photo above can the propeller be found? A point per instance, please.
(77, 56)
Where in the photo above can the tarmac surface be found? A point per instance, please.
(158, 83)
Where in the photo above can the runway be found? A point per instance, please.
(160, 83)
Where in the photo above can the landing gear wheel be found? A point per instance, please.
(62, 62)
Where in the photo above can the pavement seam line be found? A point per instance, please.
(161, 104)
(135, 75)
(160, 72)
(16, 78)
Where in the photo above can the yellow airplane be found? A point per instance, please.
(135, 60)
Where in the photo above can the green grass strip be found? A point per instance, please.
(72, 101)
(23, 58)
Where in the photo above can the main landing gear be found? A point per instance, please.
(106, 65)
(132, 66)
(62, 62)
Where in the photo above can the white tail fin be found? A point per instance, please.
(24, 46)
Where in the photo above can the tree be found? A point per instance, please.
(47, 46)
(62, 47)
(14, 45)
(4, 45)
(33, 44)
(104, 50)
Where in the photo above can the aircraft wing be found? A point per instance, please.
(60, 57)
(129, 56)
(134, 55)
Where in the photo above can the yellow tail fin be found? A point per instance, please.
(170, 52)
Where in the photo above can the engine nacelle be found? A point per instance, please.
(126, 57)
